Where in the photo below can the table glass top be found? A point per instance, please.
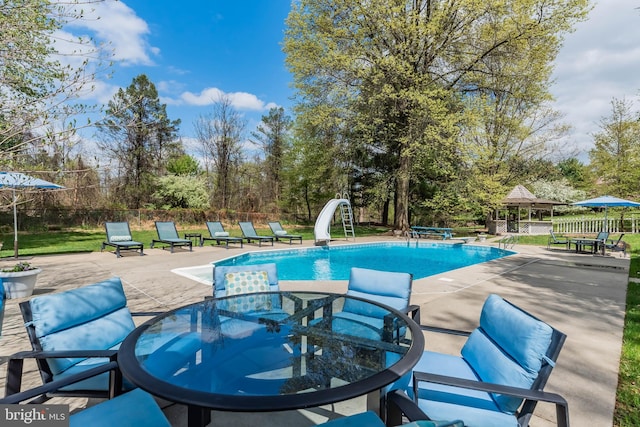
(274, 344)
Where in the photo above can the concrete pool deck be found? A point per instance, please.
(582, 295)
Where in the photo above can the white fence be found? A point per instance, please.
(595, 225)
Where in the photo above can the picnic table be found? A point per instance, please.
(419, 231)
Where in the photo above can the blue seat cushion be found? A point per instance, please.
(522, 336)
(442, 402)
(473, 417)
(453, 366)
(50, 313)
(98, 382)
(99, 320)
(385, 287)
(362, 326)
(135, 408)
(368, 419)
(508, 348)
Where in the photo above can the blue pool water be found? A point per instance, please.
(335, 262)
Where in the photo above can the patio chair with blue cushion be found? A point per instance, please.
(386, 287)
(230, 280)
(219, 235)
(499, 377)
(251, 281)
(133, 408)
(168, 235)
(119, 237)
(617, 245)
(281, 233)
(77, 330)
(250, 234)
(555, 240)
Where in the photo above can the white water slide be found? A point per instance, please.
(322, 230)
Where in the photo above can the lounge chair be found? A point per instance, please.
(249, 233)
(78, 330)
(119, 237)
(500, 375)
(168, 234)
(134, 408)
(216, 230)
(617, 245)
(281, 233)
(555, 240)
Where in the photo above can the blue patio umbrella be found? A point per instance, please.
(606, 202)
(17, 180)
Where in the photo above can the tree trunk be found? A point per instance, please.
(401, 215)
(385, 211)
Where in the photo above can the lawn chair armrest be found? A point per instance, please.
(399, 405)
(562, 407)
(414, 312)
(147, 313)
(38, 392)
(445, 330)
(15, 364)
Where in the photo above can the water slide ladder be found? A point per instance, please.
(347, 221)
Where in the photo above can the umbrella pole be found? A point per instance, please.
(15, 226)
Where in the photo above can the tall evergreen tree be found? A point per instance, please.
(272, 135)
(139, 137)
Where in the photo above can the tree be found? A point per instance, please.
(561, 191)
(182, 191)
(273, 137)
(183, 164)
(575, 172)
(140, 138)
(395, 73)
(39, 84)
(615, 158)
(220, 134)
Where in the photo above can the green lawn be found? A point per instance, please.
(627, 412)
(61, 242)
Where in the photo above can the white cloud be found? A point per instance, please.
(118, 25)
(102, 92)
(208, 96)
(597, 63)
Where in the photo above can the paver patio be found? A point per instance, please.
(582, 295)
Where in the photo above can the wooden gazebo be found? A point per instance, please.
(520, 197)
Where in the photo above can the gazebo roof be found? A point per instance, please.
(520, 196)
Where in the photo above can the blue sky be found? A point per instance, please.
(195, 49)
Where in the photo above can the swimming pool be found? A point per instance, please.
(334, 262)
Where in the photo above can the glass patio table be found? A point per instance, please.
(270, 351)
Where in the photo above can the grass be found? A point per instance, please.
(627, 411)
(62, 242)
